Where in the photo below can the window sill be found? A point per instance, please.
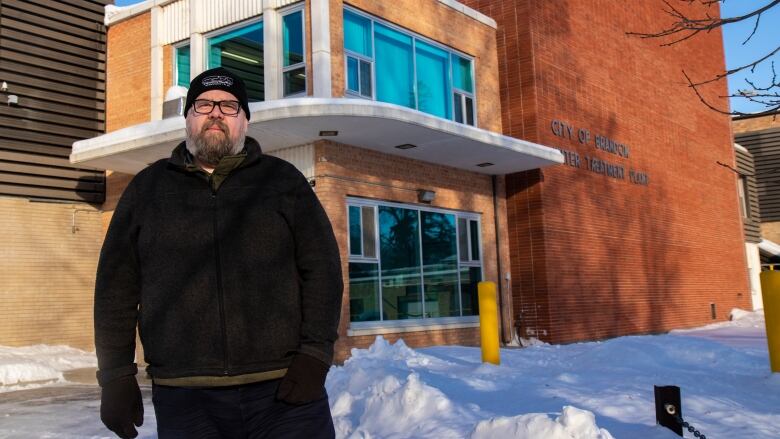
(394, 327)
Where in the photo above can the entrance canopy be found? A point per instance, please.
(379, 126)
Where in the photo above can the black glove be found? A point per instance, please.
(305, 380)
(121, 406)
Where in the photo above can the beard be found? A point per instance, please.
(210, 146)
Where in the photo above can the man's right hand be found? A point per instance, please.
(121, 406)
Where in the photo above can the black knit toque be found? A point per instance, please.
(218, 78)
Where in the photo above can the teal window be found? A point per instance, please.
(394, 66)
(182, 69)
(417, 272)
(390, 65)
(293, 58)
(241, 51)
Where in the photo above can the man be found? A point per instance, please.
(225, 260)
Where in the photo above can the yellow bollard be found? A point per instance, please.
(488, 322)
(770, 290)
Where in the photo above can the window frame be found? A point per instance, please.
(424, 321)
(743, 195)
(175, 60)
(451, 51)
(283, 13)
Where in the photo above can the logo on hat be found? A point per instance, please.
(211, 81)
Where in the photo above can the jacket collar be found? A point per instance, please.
(181, 158)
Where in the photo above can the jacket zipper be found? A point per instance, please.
(220, 294)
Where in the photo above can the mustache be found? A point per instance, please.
(218, 123)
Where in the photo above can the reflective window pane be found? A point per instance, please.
(357, 33)
(394, 66)
(463, 239)
(292, 29)
(461, 74)
(433, 94)
(241, 52)
(353, 78)
(369, 232)
(365, 79)
(469, 281)
(474, 240)
(363, 292)
(355, 243)
(399, 249)
(440, 264)
(183, 66)
(458, 107)
(469, 111)
(295, 81)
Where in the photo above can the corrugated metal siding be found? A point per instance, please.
(176, 19)
(752, 225)
(213, 14)
(53, 59)
(300, 156)
(765, 147)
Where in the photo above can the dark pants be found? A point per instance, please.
(248, 412)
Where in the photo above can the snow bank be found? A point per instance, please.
(573, 423)
(27, 366)
(391, 391)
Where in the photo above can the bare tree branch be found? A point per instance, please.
(687, 25)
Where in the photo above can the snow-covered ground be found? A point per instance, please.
(594, 390)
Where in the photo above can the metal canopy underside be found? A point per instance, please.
(366, 124)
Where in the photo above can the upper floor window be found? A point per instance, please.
(182, 67)
(744, 196)
(390, 65)
(241, 51)
(293, 58)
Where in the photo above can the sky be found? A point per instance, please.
(593, 390)
(737, 53)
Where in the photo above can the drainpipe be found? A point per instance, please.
(498, 265)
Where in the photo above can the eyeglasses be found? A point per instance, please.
(206, 106)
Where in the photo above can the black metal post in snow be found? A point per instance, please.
(668, 408)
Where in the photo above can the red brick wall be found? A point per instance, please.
(594, 256)
(343, 170)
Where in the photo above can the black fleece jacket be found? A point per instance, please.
(220, 282)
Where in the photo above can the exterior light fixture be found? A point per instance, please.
(425, 196)
(330, 133)
(406, 146)
(485, 165)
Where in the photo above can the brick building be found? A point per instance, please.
(52, 83)
(759, 136)
(514, 141)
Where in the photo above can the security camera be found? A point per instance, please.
(4, 86)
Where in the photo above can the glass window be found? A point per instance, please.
(183, 66)
(293, 58)
(241, 51)
(440, 264)
(418, 258)
(470, 277)
(461, 74)
(355, 241)
(744, 196)
(363, 292)
(433, 94)
(394, 67)
(389, 65)
(357, 34)
(399, 251)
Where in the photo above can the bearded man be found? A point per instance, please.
(226, 262)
